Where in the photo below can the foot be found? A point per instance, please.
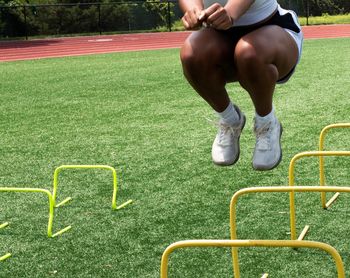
(225, 150)
(268, 152)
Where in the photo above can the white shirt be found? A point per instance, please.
(258, 11)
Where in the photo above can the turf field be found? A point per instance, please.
(135, 112)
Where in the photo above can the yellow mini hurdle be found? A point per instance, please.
(321, 155)
(103, 167)
(323, 133)
(51, 206)
(291, 190)
(234, 244)
(291, 178)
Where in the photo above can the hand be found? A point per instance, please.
(191, 19)
(217, 17)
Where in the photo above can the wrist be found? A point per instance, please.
(232, 20)
(230, 15)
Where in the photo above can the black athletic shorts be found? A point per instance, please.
(285, 19)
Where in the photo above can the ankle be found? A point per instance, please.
(264, 119)
(229, 116)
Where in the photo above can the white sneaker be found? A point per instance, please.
(225, 150)
(268, 152)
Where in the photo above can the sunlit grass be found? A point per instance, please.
(135, 112)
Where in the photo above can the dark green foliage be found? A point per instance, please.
(317, 7)
(163, 10)
(20, 18)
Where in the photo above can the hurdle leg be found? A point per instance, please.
(324, 202)
(322, 175)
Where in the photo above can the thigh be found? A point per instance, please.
(214, 48)
(273, 45)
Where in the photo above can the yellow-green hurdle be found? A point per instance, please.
(7, 255)
(323, 133)
(103, 167)
(234, 244)
(274, 189)
(51, 206)
(291, 177)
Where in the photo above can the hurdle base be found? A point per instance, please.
(123, 205)
(304, 232)
(61, 231)
(8, 255)
(332, 200)
(68, 199)
(3, 225)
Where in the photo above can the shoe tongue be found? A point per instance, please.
(262, 121)
(224, 123)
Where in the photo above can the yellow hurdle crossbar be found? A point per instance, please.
(51, 205)
(234, 244)
(290, 189)
(104, 167)
(323, 133)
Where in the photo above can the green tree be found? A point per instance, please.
(161, 10)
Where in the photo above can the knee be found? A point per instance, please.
(188, 56)
(246, 57)
(199, 52)
(253, 63)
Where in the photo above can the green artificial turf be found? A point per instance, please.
(135, 112)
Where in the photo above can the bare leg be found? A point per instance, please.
(262, 57)
(207, 59)
(258, 60)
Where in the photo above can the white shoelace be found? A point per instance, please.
(263, 137)
(227, 133)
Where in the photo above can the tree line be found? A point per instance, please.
(57, 17)
(317, 7)
(21, 18)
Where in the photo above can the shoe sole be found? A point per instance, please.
(239, 150)
(278, 161)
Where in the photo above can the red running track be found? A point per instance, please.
(60, 47)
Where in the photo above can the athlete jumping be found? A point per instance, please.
(254, 42)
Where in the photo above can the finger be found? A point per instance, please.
(190, 20)
(222, 23)
(218, 16)
(185, 23)
(209, 11)
(194, 18)
(202, 16)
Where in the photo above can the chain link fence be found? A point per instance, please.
(87, 18)
(120, 17)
